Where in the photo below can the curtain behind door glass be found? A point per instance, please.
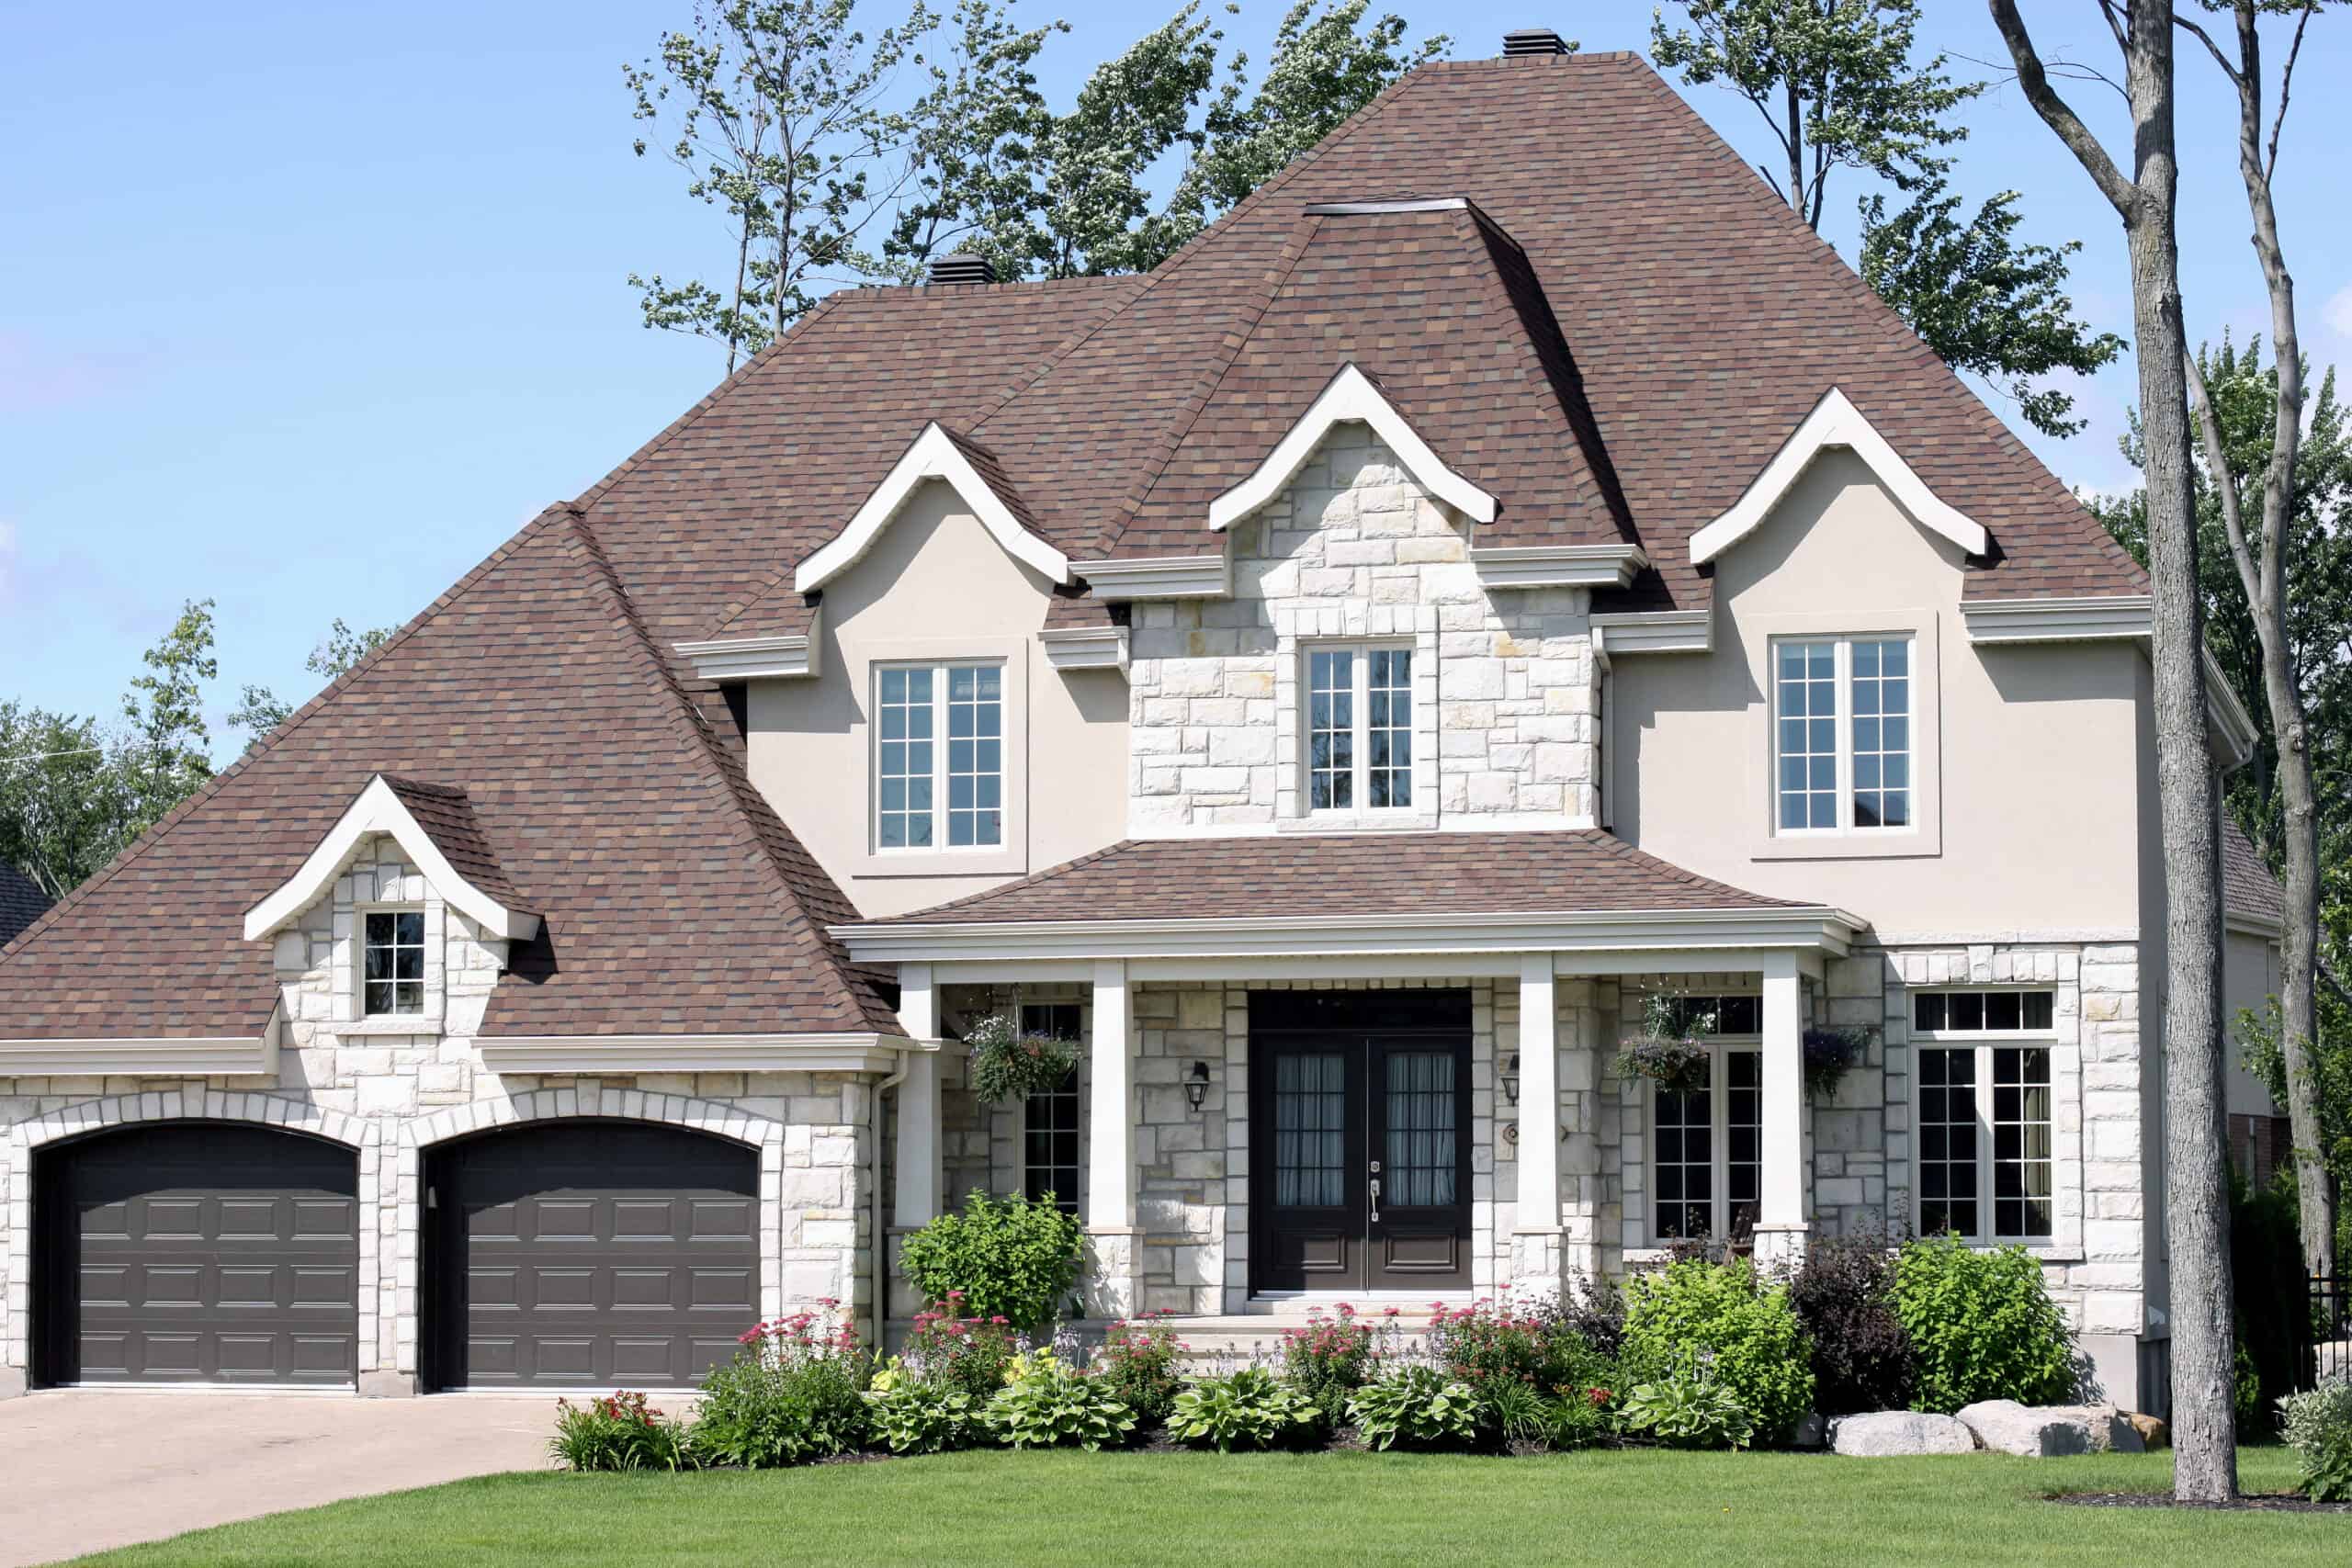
(1418, 1169)
(1310, 1122)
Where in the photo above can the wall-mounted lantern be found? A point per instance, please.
(1196, 1085)
(1510, 1078)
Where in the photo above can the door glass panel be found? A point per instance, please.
(1686, 1165)
(1417, 1169)
(1310, 1125)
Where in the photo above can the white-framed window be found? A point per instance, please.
(392, 978)
(1842, 742)
(939, 756)
(1707, 1162)
(1049, 1157)
(1985, 1114)
(1358, 728)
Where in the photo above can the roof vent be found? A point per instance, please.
(1532, 41)
(961, 267)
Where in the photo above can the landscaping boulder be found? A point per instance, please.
(2154, 1433)
(2045, 1432)
(1883, 1434)
(2112, 1429)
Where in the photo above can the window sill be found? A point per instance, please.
(1359, 822)
(391, 1023)
(1000, 862)
(1923, 844)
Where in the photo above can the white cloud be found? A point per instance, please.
(2337, 311)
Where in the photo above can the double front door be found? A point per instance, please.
(1360, 1141)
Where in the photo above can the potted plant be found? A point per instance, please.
(1671, 1049)
(1827, 1054)
(1009, 1064)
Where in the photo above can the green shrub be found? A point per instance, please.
(1417, 1407)
(1722, 1319)
(1049, 1404)
(910, 1416)
(1249, 1409)
(1137, 1363)
(1982, 1325)
(619, 1432)
(951, 1350)
(1486, 1343)
(1008, 1258)
(794, 1392)
(1689, 1410)
(1580, 1418)
(2317, 1424)
(1330, 1358)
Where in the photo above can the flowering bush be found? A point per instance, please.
(1009, 1065)
(1250, 1408)
(1045, 1403)
(1670, 1051)
(791, 1394)
(948, 1349)
(1689, 1410)
(1419, 1407)
(1137, 1363)
(2317, 1425)
(1005, 1258)
(1331, 1357)
(1724, 1320)
(1486, 1343)
(621, 1431)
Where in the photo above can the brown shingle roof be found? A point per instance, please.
(448, 819)
(1563, 871)
(2247, 886)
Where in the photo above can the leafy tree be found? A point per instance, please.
(64, 810)
(1834, 82)
(260, 710)
(167, 752)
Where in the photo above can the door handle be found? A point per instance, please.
(1375, 1200)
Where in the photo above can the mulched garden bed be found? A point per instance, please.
(2259, 1502)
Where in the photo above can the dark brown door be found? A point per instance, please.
(198, 1253)
(589, 1255)
(1360, 1141)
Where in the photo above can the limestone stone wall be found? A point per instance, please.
(1503, 688)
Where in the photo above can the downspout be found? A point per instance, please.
(1602, 814)
(881, 1250)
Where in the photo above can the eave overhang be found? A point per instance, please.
(849, 1053)
(783, 657)
(1085, 648)
(221, 1056)
(1557, 566)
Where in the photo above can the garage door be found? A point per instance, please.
(200, 1253)
(590, 1254)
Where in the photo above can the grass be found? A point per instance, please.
(978, 1509)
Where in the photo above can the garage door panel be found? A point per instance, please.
(199, 1252)
(597, 1254)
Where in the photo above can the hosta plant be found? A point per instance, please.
(1047, 1403)
(1249, 1409)
(914, 1417)
(1689, 1410)
(1417, 1407)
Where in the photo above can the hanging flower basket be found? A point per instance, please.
(1009, 1065)
(1827, 1054)
(1671, 1051)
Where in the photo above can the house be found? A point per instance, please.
(1507, 569)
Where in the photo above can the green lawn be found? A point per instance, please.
(976, 1509)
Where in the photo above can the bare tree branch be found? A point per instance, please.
(2201, 36)
(2286, 82)
(2057, 113)
(2225, 484)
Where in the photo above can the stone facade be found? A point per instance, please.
(1504, 728)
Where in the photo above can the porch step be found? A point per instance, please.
(1215, 1342)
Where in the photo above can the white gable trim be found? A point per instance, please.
(1160, 577)
(1835, 421)
(379, 810)
(1557, 566)
(783, 657)
(932, 457)
(1350, 396)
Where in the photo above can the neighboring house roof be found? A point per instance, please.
(2247, 887)
(21, 902)
(1352, 874)
(673, 899)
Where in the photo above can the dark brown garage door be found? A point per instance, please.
(590, 1254)
(198, 1252)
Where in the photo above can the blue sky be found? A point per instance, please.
(304, 309)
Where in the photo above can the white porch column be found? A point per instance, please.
(1536, 1238)
(918, 1163)
(1780, 1225)
(1114, 1284)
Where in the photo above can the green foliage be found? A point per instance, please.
(1723, 1320)
(2317, 1424)
(1689, 1410)
(64, 810)
(619, 1432)
(1005, 1258)
(260, 710)
(1047, 1405)
(166, 755)
(1982, 1325)
(1486, 1344)
(910, 1416)
(2273, 1297)
(1844, 1298)
(1009, 1065)
(1250, 1408)
(794, 1392)
(1417, 1407)
(952, 1350)
(1137, 1363)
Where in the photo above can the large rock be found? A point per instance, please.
(2045, 1432)
(2112, 1430)
(1886, 1433)
(2153, 1434)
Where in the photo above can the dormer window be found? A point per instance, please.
(392, 982)
(1359, 729)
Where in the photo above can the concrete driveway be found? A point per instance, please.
(81, 1471)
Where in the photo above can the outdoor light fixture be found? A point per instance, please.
(1196, 1085)
(1510, 1078)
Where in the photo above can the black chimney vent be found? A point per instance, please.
(1532, 41)
(961, 267)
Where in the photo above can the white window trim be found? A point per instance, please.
(1360, 709)
(1980, 1045)
(1762, 636)
(361, 1020)
(1718, 1128)
(1012, 855)
(1842, 728)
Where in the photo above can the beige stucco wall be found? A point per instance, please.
(2030, 815)
(936, 585)
(2249, 979)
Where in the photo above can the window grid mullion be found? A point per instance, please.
(1988, 1178)
(941, 744)
(1719, 1141)
(1842, 701)
(1360, 752)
